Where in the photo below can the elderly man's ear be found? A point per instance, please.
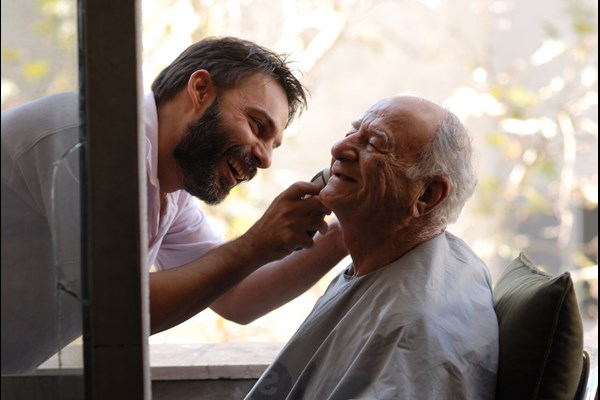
(434, 193)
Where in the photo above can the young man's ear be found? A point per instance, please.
(201, 89)
(435, 191)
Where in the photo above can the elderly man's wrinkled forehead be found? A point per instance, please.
(405, 113)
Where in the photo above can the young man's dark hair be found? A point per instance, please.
(229, 60)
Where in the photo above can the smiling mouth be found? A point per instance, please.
(238, 170)
(344, 178)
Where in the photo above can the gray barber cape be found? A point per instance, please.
(422, 327)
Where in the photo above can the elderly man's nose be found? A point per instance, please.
(344, 149)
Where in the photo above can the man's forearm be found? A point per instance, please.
(281, 281)
(180, 293)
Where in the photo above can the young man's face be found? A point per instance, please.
(234, 137)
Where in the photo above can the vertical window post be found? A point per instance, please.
(116, 322)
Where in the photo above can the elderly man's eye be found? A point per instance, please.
(374, 145)
(379, 141)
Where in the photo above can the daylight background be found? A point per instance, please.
(522, 75)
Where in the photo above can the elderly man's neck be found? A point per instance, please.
(374, 251)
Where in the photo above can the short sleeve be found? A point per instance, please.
(189, 237)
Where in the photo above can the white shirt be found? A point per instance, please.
(182, 234)
(41, 227)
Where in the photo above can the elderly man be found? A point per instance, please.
(412, 316)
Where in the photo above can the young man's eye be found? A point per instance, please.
(258, 125)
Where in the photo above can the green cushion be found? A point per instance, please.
(541, 333)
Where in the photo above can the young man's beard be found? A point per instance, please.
(201, 150)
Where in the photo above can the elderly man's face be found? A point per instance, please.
(369, 164)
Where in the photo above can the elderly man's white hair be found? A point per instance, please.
(449, 154)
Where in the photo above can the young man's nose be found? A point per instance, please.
(263, 154)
